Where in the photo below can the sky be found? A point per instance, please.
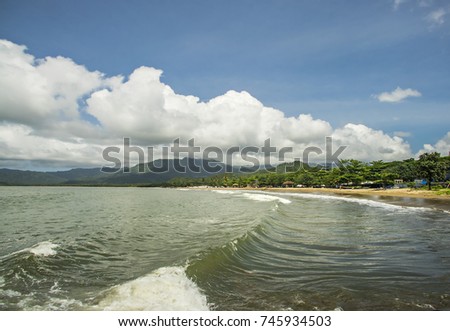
(79, 76)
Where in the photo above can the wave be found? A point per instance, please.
(360, 201)
(254, 196)
(167, 288)
(279, 197)
(265, 197)
(44, 248)
(241, 272)
(226, 192)
(288, 247)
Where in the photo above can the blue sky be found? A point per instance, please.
(330, 59)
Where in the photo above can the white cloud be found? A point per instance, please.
(397, 95)
(145, 108)
(442, 146)
(44, 91)
(42, 106)
(397, 3)
(19, 143)
(436, 17)
(365, 143)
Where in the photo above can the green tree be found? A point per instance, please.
(431, 167)
(406, 169)
(332, 178)
(387, 178)
(373, 172)
(305, 178)
(353, 171)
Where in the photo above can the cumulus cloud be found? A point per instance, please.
(365, 143)
(397, 95)
(145, 108)
(54, 109)
(18, 143)
(442, 146)
(42, 92)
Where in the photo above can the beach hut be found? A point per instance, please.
(288, 183)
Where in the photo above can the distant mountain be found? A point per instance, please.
(80, 173)
(289, 167)
(19, 177)
(153, 173)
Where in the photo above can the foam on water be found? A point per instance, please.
(275, 196)
(166, 288)
(10, 293)
(265, 197)
(254, 196)
(44, 248)
(226, 192)
(361, 201)
(62, 304)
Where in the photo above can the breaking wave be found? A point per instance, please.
(254, 196)
(167, 288)
(44, 248)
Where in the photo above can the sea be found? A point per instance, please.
(129, 248)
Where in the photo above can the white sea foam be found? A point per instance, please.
(167, 288)
(55, 288)
(361, 201)
(62, 304)
(10, 293)
(226, 192)
(271, 196)
(425, 306)
(265, 197)
(254, 196)
(7, 293)
(44, 248)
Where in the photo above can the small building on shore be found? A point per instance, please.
(288, 183)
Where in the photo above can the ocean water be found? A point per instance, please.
(79, 248)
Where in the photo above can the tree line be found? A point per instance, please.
(430, 167)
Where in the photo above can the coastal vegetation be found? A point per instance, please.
(429, 169)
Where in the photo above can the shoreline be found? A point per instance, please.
(401, 197)
(400, 193)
